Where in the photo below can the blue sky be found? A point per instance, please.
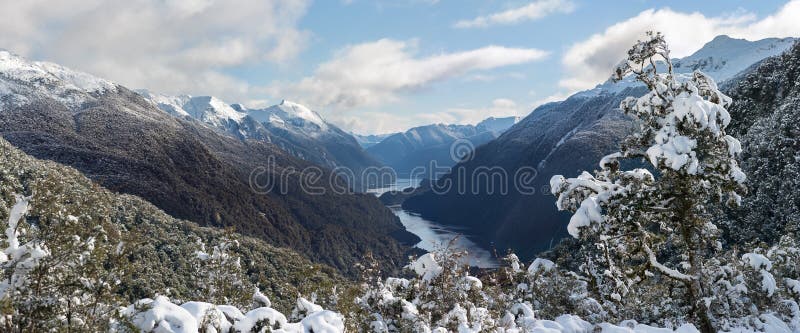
(373, 66)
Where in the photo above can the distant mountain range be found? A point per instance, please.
(562, 138)
(369, 140)
(293, 127)
(192, 170)
(419, 146)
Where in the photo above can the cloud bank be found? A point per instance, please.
(591, 61)
(172, 46)
(530, 12)
(374, 73)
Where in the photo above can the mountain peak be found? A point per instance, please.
(297, 110)
(210, 107)
(723, 57)
(58, 82)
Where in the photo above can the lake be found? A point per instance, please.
(435, 236)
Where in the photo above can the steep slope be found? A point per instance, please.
(158, 249)
(418, 147)
(294, 128)
(126, 144)
(558, 138)
(766, 119)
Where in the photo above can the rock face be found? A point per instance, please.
(417, 147)
(296, 129)
(193, 172)
(559, 138)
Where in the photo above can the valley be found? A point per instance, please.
(297, 166)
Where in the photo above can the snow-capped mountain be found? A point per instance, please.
(562, 138)
(189, 169)
(722, 58)
(291, 126)
(290, 115)
(370, 140)
(207, 109)
(46, 79)
(419, 146)
(497, 125)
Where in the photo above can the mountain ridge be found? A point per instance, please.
(563, 137)
(290, 126)
(419, 146)
(125, 143)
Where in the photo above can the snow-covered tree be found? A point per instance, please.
(655, 225)
(219, 276)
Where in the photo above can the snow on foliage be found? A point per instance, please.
(649, 232)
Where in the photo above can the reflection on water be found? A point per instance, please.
(435, 237)
(399, 185)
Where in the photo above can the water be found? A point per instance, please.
(435, 236)
(399, 185)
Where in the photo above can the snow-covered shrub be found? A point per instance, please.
(163, 316)
(549, 290)
(219, 277)
(650, 234)
(439, 294)
(56, 271)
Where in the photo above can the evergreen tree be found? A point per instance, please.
(634, 219)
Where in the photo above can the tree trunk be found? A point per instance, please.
(690, 224)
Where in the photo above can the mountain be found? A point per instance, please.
(127, 144)
(158, 248)
(294, 128)
(558, 138)
(370, 140)
(766, 119)
(419, 146)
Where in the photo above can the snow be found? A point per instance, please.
(296, 110)
(209, 315)
(170, 104)
(291, 116)
(260, 298)
(207, 109)
(19, 210)
(560, 142)
(161, 316)
(260, 315)
(651, 256)
(497, 125)
(325, 321)
(793, 286)
(426, 267)
(763, 265)
(757, 261)
(540, 264)
(212, 110)
(722, 58)
(20, 78)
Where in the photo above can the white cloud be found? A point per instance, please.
(530, 12)
(374, 73)
(591, 61)
(174, 46)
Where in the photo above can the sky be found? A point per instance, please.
(375, 66)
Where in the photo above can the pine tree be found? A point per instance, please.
(648, 226)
